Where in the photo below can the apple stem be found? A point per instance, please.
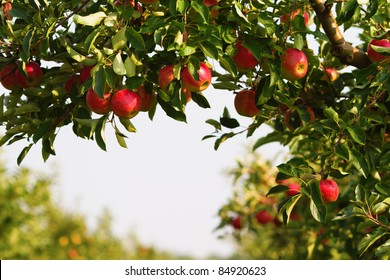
(341, 49)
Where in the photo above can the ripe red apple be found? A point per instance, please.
(32, 77)
(204, 78)
(330, 74)
(73, 80)
(7, 7)
(165, 76)
(329, 190)
(97, 104)
(236, 222)
(294, 64)
(243, 58)
(210, 3)
(285, 18)
(245, 103)
(85, 73)
(375, 56)
(147, 99)
(125, 103)
(294, 189)
(214, 11)
(7, 76)
(263, 217)
(292, 119)
(187, 94)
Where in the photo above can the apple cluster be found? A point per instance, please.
(189, 84)
(14, 77)
(329, 190)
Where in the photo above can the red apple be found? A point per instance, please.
(85, 73)
(294, 189)
(306, 18)
(292, 119)
(245, 103)
(236, 222)
(243, 58)
(32, 76)
(7, 76)
(73, 80)
(330, 74)
(204, 78)
(165, 76)
(375, 56)
(7, 7)
(187, 94)
(285, 18)
(294, 64)
(97, 104)
(147, 99)
(329, 190)
(210, 3)
(214, 11)
(263, 217)
(125, 103)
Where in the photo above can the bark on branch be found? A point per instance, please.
(341, 49)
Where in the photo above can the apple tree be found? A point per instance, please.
(94, 63)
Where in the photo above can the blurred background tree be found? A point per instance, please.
(34, 226)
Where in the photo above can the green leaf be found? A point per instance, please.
(41, 130)
(342, 151)
(99, 81)
(289, 170)
(288, 206)
(100, 133)
(331, 114)
(277, 189)
(121, 140)
(215, 124)
(317, 207)
(200, 99)
(172, 111)
(229, 122)
(383, 250)
(228, 64)
(360, 194)
(23, 154)
(222, 139)
(370, 239)
(89, 20)
(26, 109)
(201, 9)
(187, 51)
(271, 137)
(118, 65)
(27, 42)
(209, 49)
(299, 43)
(119, 40)
(130, 67)
(382, 50)
(241, 18)
(360, 163)
(127, 124)
(135, 39)
(357, 133)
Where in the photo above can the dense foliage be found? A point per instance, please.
(334, 118)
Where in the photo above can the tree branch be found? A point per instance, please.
(341, 49)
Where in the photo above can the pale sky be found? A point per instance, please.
(166, 187)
